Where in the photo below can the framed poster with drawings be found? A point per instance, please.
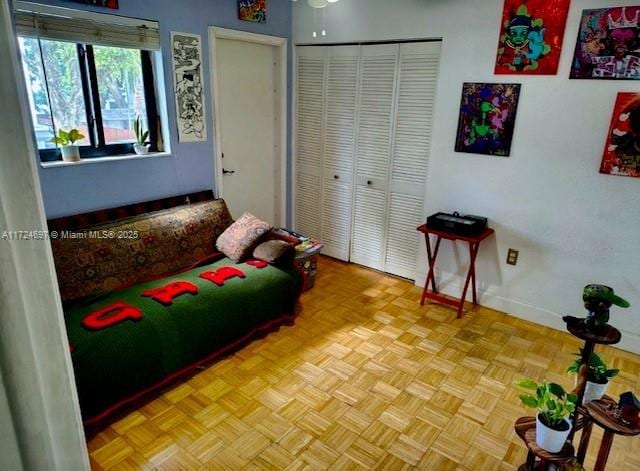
(608, 46)
(487, 118)
(531, 36)
(622, 149)
(188, 87)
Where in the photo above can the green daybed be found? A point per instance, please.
(118, 364)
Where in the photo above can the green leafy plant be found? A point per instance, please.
(141, 136)
(554, 404)
(597, 371)
(67, 138)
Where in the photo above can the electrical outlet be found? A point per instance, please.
(512, 257)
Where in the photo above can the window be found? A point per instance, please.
(100, 90)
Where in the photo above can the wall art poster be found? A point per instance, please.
(608, 45)
(531, 36)
(487, 118)
(622, 150)
(187, 78)
(100, 3)
(253, 10)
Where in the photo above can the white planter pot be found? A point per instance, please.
(140, 149)
(593, 391)
(70, 153)
(549, 439)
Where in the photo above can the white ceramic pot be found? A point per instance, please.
(550, 439)
(593, 391)
(140, 149)
(70, 153)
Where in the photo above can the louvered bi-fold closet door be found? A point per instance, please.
(310, 102)
(373, 149)
(339, 148)
(416, 89)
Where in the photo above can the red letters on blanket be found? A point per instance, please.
(111, 315)
(257, 263)
(119, 312)
(222, 274)
(166, 294)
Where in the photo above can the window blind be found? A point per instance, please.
(65, 24)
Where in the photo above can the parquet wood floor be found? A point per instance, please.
(365, 379)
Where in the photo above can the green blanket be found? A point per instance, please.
(115, 364)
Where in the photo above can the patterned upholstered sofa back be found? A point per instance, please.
(106, 257)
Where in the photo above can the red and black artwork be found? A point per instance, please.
(99, 3)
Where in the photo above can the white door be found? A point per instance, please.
(310, 97)
(248, 106)
(415, 96)
(375, 126)
(339, 148)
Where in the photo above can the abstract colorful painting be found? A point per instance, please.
(188, 87)
(253, 10)
(487, 118)
(607, 46)
(622, 151)
(531, 36)
(100, 3)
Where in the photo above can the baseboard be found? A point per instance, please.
(452, 286)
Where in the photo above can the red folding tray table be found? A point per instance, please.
(474, 245)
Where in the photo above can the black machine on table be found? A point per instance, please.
(467, 225)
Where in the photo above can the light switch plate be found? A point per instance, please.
(512, 257)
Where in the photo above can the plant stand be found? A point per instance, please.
(603, 414)
(537, 458)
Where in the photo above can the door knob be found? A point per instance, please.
(368, 182)
(336, 177)
(228, 172)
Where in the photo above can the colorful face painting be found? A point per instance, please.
(487, 118)
(531, 36)
(253, 10)
(607, 46)
(622, 151)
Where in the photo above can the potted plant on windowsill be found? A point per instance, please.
(554, 406)
(141, 146)
(66, 140)
(598, 376)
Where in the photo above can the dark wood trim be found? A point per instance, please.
(95, 94)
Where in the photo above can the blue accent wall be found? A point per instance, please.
(80, 188)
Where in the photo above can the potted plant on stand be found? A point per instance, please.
(66, 140)
(554, 406)
(141, 146)
(598, 376)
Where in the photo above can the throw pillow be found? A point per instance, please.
(276, 252)
(242, 236)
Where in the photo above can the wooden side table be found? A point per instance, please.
(474, 245)
(603, 414)
(537, 458)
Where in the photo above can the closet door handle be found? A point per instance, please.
(369, 182)
(336, 177)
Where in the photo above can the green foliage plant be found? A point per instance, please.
(597, 371)
(67, 138)
(141, 136)
(554, 404)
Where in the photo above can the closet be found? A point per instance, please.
(363, 129)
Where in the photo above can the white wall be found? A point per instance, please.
(571, 224)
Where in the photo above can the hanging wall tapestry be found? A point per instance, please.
(531, 36)
(607, 46)
(622, 151)
(187, 78)
(253, 10)
(101, 3)
(487, 118)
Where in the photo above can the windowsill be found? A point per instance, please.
(99, 160)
